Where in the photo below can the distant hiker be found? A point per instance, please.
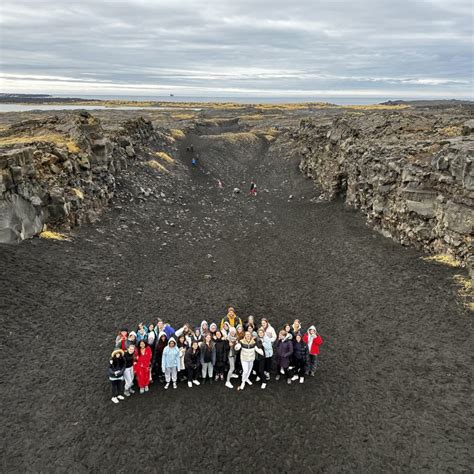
(253, 188)
(284, 350)
(313, 340)
(219, 184)
(142, 367)
(170, 363)
(116, 370)
(192, 361)
(128, 374)
(194, 161)
(231, 318)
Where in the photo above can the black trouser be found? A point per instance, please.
(300, 365)
(259, 367)
(219, 368)
(268, 364)
(192, 373)
(117, 387)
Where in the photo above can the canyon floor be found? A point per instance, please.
(394, 388)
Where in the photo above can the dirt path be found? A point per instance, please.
(394, 387)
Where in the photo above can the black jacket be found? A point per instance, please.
(222, 351)
(300, 350)
(192, 359)
(116, 368)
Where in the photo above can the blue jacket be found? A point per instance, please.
(170, 356)
(267, 346)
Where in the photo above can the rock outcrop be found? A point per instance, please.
(411, 174)
(61, 171)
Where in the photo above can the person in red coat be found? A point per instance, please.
(142, 366)
(313, 340)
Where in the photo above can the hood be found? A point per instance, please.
(202, 323)
(162, 333)
(312, 327)
(213, 325)
(132, 333)
(172, 339)
(288, 337)
(116, 351)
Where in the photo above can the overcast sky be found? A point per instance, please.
(310, 48)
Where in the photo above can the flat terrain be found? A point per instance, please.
(394, 389)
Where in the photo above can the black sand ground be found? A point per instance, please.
(393, 391)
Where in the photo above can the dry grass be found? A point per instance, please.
(464, 283)
(78, 193)
(156, 166)
(48, 234)
(54, 138)
(183, 116)
(164, 156)
(451, 131)
(445, 259)
(177, 134)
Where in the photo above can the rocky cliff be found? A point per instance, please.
(61, 171)
(411, 174)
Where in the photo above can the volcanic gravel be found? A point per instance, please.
(393, 389)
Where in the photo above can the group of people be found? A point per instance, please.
(211, 353)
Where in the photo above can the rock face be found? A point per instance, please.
(412, 175)
(61, 172)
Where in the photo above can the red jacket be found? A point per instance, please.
(317, 341)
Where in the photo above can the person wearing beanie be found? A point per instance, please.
(248, 350)
(208, 357)
(284, 351)
(142, 366)
(231, 318)
(170, 363)
(192, 361)
(232, 356)
(128, 374)
(300, 357)
(116, 370)
(222, 351)
(313, 340)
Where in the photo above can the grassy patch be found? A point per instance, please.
(445, 259)
(182, 116)
(55, 138)
(451, 131)
(164, 156)
(177, 134)
(156, 166)
(48, 234)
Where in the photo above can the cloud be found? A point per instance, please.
(408, 47)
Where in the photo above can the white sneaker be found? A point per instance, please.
(267, 374)
(289, 381)
(167, 385)
(234, 376)
(277, 377)
(301, 379)
(257, 379)
(241, 386)
(196, 382)
(175, 385)
(190, 384)
(253, 372)
(120, 397)
(115, 399)
(249, 382)
(282, 372)
(146, 388)
(295, 377)
(264, 386)
(229, 385)
(142, 391)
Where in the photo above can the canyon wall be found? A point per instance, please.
(61, 172)
(412, 175)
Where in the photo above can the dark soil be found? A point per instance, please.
(393, 391)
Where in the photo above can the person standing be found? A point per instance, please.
(170, 363)
(128, 374)
(259, 364)
(284, 351)
(313, 340)
(253, 188)
(192, 361)
(116, 370)
(234, 346)
(142, 366)
(300, 357)
(248, 349)
(208, 357)
(222, 351)
(231, 318)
